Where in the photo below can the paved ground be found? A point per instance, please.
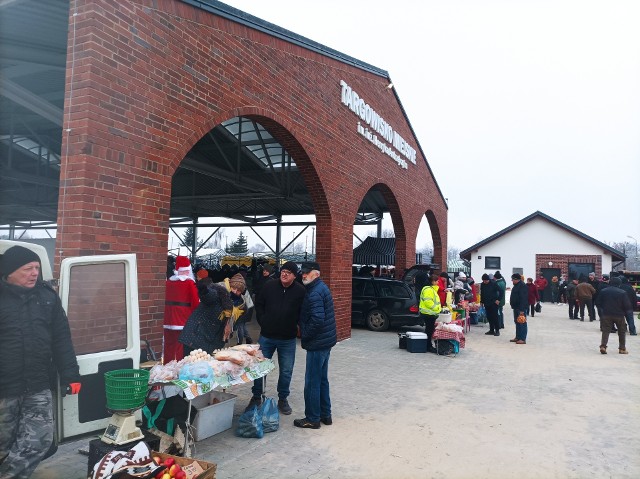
(553, 408)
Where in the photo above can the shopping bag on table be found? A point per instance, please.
(270, 415)
(449, 299)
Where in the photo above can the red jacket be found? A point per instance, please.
(533, 295)
(442, 285)
(541, 283)
(180, 300)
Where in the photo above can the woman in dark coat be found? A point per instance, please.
(205, 327)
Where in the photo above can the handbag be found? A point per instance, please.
(538, 307)
(521, 318)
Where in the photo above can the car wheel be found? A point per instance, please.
(377, 320)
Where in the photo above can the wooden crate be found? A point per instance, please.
(209, 467)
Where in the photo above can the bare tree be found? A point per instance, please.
(257, 248)
(384, 234)
(453, 253)
(216, 240)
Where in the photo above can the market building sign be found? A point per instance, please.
(389, 142)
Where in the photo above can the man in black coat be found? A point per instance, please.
(36, 343)
(278, 312)
(519, 301)
(490, 299)
(614, 304)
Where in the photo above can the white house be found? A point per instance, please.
(540, 243)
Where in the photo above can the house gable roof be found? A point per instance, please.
(616, 255)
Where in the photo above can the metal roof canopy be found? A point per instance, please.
(238, 170)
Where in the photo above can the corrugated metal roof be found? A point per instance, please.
(378, 251)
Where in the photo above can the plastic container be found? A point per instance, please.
(126, 389)
(402, 340)
(210, 418)
(417, 342)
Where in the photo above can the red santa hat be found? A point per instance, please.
(183, 263)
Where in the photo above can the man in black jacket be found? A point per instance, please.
(35, 337)
(519, 301)
(277, 312)
(490, 299)
(614, 304)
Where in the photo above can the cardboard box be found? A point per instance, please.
(208, 468)
(215, 414)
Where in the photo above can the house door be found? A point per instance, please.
(577, 270)
(100, 296)
(549, 273)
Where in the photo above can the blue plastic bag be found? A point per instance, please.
(270, 415)
(250, 424)
(199, 371)
(482, 314)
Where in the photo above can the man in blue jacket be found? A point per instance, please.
(318, 335)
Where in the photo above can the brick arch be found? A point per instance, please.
(439, 240)
(279, 127)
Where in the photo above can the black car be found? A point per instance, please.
(410, 274)
(379, 303)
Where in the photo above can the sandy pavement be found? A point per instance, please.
(553, 408)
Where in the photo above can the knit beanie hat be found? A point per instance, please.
(15, 258)
(237, 282)
(290, 266)
(202, 273)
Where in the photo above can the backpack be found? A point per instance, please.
(447, 347)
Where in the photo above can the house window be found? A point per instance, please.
(492, 262)
(519, 271)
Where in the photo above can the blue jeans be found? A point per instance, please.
(630, 322)
(501, 317)
(286, 358)
(241, 330)
(317, 403)
(521, 328)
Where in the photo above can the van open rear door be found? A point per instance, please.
(100, 296)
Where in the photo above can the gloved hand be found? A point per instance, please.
(72, 388)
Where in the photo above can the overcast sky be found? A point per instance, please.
(518, 105)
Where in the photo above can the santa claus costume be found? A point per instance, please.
(180, 301)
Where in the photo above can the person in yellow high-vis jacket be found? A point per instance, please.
(430, 308)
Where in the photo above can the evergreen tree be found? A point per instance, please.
(187, 237)
(239, 247)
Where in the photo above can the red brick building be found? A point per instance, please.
(147, 80)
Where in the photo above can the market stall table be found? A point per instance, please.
(191, 389)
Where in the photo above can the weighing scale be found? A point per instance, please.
(122, 428)
(126, 392)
